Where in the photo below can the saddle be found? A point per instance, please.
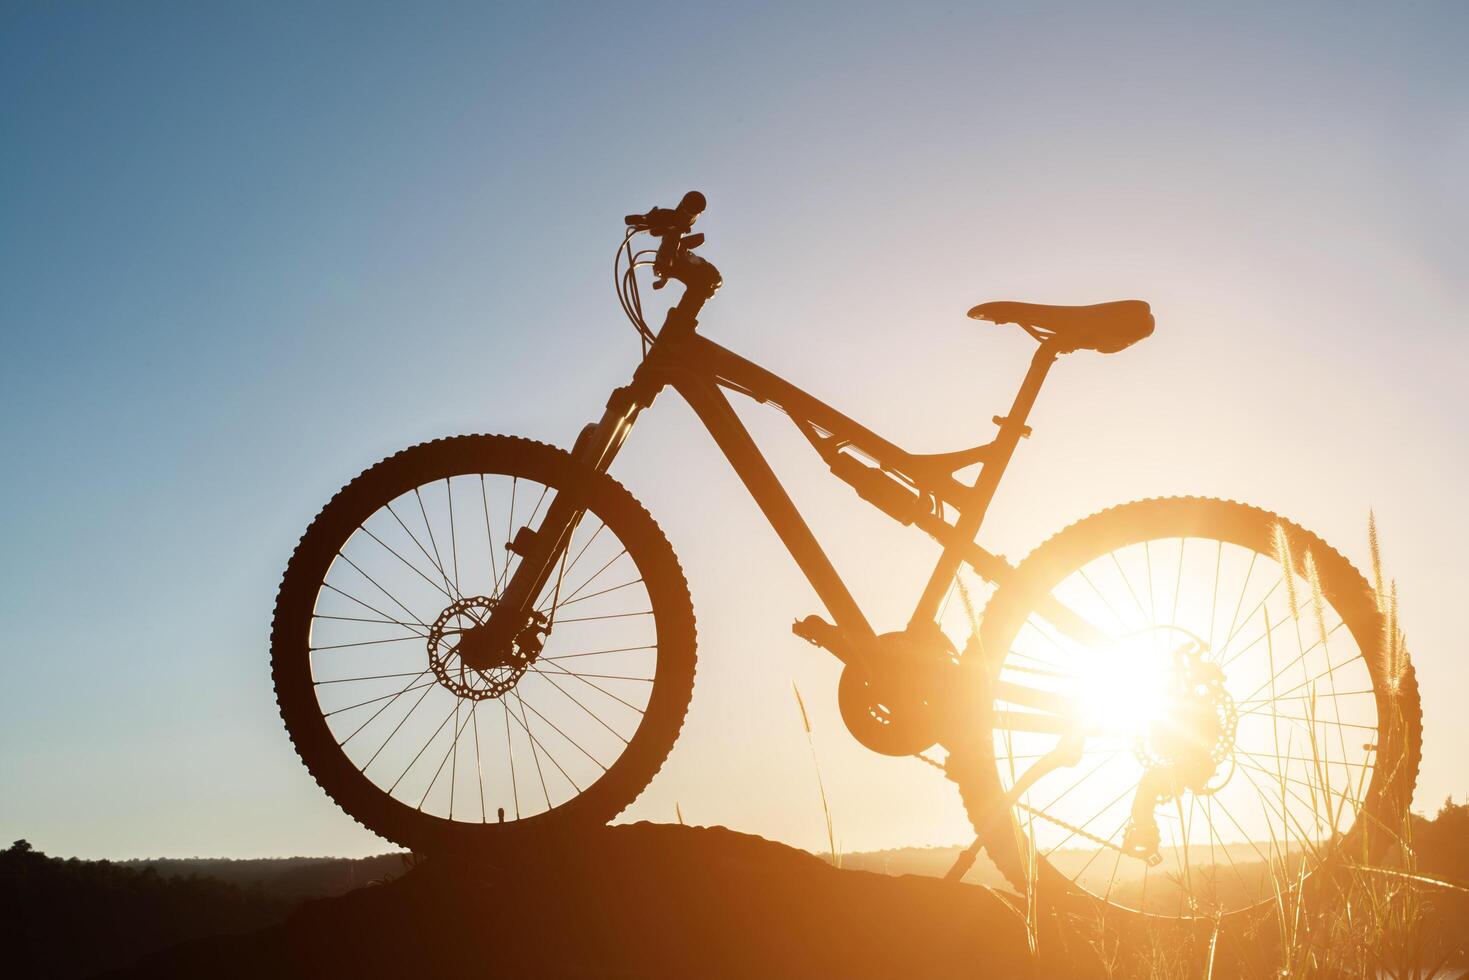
(1104, 327)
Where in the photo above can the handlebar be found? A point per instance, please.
(665, 221)
(673, 259)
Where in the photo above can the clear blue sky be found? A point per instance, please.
(247, 250)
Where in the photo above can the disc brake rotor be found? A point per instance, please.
(491, 678)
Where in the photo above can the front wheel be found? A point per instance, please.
(432, 742)
(1230, 718)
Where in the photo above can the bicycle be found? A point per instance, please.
(1180, 684)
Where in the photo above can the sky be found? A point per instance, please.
(248, 250)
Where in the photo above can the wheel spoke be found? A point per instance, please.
(412, 762)
(510, 754)
(374, 581)
(524, 720)
(1304, 792)
(388, 697)
(588, 619)
(557, 729)
(593, 595)
(583, 679)
(369, 619)
(447, 587)
(598, 653)
(579, 704)
(363, 643)
(438, 559)
(489, 538)
(478, 765)
(572, 597)
(369, 677)
(398, 727)
(402, 592)
(587, 544)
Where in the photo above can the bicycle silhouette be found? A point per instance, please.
(1162, 705)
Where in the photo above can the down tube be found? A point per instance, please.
(734, 440)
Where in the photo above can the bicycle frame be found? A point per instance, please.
(701, 370)
(911, 488)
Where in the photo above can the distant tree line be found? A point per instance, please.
(71, 918)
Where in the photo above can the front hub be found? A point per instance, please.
(466, 658)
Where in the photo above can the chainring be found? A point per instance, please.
(891, 710)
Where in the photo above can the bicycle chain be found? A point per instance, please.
(1100, 842)
(1077, 831)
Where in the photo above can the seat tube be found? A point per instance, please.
(977, 501)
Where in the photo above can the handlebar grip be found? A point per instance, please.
(692, 205)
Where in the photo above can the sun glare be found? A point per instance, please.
(1124, 690)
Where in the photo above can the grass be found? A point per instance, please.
(1355, 916)
(831, 840)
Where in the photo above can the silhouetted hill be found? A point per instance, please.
(638, 900)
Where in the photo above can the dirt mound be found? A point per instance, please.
(640, 900)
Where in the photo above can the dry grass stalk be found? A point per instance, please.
(1376, 556)
(831, 840)
(1359, 917)
(1287, 568)
(1318, 598)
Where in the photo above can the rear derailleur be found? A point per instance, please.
(1184, 749)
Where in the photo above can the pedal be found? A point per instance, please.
(817, 632)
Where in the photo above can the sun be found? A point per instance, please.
(1123, 689)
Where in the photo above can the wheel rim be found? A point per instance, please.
(461, 737)
(1294, 716)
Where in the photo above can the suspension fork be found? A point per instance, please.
(541, 548)
(596, 447)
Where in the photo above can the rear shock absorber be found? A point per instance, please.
(876, 487)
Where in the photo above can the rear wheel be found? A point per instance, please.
(1242, 724)
(432, 742)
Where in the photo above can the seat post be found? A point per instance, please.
(977, 501)
(1012, 426)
